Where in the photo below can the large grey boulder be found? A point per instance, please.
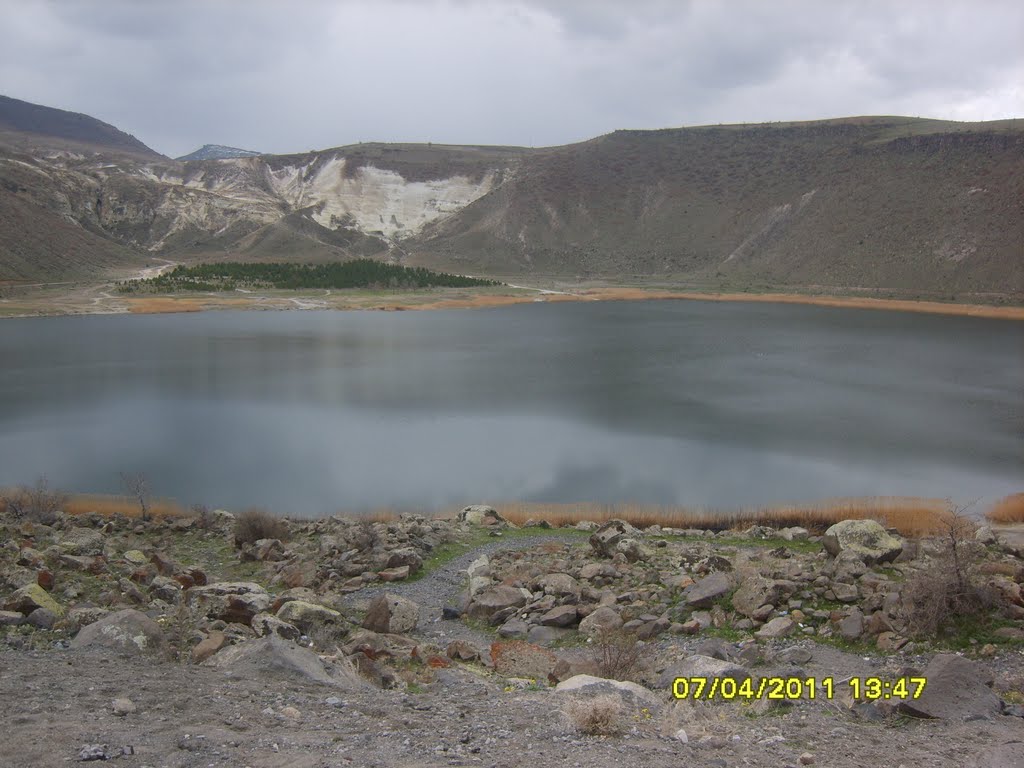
(493, 599)
(601, 620)
(391, 614)
(605, 539)
(230, 601)
(709, 589)
(758, 591)
(957, 689)
(272, 656)
(865, 538)
(127, 632)
(702, 666)
(481, 514)
(629, 692)
(305, 615)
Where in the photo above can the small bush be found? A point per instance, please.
(366, 537)
(203, 516)
(38, 503)
(616, 654)
(599, 716)
(255, 524)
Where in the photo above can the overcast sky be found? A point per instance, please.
(292, 76)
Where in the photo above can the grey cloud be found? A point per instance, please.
(295, 76)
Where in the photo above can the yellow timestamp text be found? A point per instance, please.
(792, 688)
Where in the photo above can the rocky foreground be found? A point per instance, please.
(418, 642)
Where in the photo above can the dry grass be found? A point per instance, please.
(255, 524)
(598, 716)
(108, 506)
(1007, 510)
(912, 516)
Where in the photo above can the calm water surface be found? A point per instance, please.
(685, 402)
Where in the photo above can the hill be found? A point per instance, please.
(217, 152)
(27, 126)
(912, 206)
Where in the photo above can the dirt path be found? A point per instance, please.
(444, 586)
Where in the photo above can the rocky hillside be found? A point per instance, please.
(915, 206)
(456, 641)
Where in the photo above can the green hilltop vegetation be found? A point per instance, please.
(360, 273)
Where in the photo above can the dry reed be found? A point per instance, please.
(1009, 509)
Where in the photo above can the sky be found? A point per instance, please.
(309, 74)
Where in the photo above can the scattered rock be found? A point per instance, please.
(305, 615)
(30, 598)
(272, 656)
(602, 619)
(781, 626)
(606, 538)
(123, 706)
(480, 514)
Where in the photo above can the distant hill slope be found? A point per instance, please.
(871, 202)
(217, 152)
(31, 125)
(880, 203)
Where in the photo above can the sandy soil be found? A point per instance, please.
(101, 300)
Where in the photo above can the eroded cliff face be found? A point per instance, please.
(164, 207)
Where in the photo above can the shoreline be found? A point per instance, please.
(35, 306)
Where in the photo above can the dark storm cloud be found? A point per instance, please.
(281, 77)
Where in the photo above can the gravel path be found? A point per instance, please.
(443, 587)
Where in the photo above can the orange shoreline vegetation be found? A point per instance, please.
(147, 305)
(910, 515)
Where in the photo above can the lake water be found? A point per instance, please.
(681, 402)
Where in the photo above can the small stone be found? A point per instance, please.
(680, 735)
(807, 759)
(334, 701)
(93, 752)
(290, 713)
(123, 706)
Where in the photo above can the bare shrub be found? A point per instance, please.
(616, 654)
(326, 636)
(203, 516)
(255, 524)
(138, 488)
(38, 503)
(950, 589)
(597, 716)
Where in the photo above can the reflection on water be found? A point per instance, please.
(658, 402)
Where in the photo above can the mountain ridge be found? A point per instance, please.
(874, 201)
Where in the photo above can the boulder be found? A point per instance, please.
(82, 541)
(601, 620)
(758, 591)
(230, 601)
(493, 599)
(481, 514)
(560, 616)
(208, 646)
(273, 657)
(709, 589)
(391, 614)
(264, 624)
(31, 597)
(305, 615)
(632, 692)
(399, 573)
(957, 689)
(127, 632)
(405, 557)
(605, 539)
(701, 666)
(781, 626)
(865, 538)
(632, 550)
(559, 584)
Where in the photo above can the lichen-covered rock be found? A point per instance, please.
(481, 514)
(709, 589)
(605, 539)
(129, 632)
(82, 541)
(264, 624)
(231, 601)
(865, 538)
(493, 599)
(758, 591)
(30, 598)
(307, 615)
